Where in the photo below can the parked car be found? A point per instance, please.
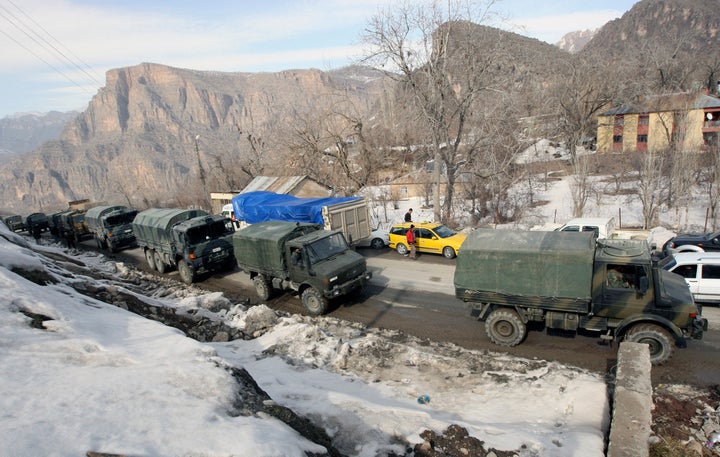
(701, 271)
(693, 242)
(378, 239)
(430, 237)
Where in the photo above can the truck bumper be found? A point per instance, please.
(699, 326)
(344, 288)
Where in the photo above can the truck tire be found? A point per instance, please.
(448, 252)
(263, 288)
(150, 258)
(187, 275)
(159, 263)
(314, 302)
(401, 249)
(100, 244)
(504, 327)
(658, 339)
(110, 245)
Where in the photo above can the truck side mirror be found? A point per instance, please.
(644, 285)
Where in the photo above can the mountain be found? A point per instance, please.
(25, 132)
(575, 41)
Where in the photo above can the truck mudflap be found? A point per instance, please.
(342, 289)
(699, 326)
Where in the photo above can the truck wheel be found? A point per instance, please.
(111, 247)
(401, 249)
(159, 263)
(658, 339)
(186, 273)
(448, 252)
(150, 257)
(314, 302)
(263, 289)
(99, 243)
(504, 327)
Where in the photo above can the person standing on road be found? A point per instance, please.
(410, 237)
(408, 215)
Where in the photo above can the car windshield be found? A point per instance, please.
(202, 233)
(667, 263)
(327, 247)
(443, 232)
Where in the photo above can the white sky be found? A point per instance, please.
(55, 52)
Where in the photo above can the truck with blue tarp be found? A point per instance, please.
(190, 240)
(350, 215)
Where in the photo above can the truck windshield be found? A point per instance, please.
(327, 247)
(120, 219)
(207, 232)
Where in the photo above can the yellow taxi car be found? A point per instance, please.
(430, 237)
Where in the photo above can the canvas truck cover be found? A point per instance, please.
(93, 215)
(525, 265)
(261, 206)
(153, 225)
(260, 246)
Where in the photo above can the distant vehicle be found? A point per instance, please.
(15, 223)
(693, 242)
(378, 239)
(430, 237)
(602, 227)
(316, 263)
(37, 219)
(111, 226)
(570, 282)
(72, 224)
(192, 240)
(701, 271)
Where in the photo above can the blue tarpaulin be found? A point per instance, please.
(261, 206)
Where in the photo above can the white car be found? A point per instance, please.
(378, 239)
(701, 271)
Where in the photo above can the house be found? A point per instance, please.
(681, 121)
(298, 186)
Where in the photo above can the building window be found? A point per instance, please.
(644, 119)
(642, 138)
(619, 120)
(404, 191)
(617, 139)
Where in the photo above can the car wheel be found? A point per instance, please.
(658, 339)
(448, 252)
(377, 243)
(504, 327)
(150, 258)
(263, 289)
(187, 275)
(159, 263)
(314, 302)
(401, 249)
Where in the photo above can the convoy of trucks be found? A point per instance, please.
(316, 263)
(350, 215)
(190, 240)
(111, 226)
(572, 281)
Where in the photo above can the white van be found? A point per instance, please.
(701, 271)
(604, 227)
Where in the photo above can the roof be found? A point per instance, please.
(277, 184)
(666, 102)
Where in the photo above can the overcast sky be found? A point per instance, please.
(55, 52)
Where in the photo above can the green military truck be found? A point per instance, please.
(15, 223)
(39, 220)
(316, 263)
(570, 281)
(72, 224)
(190, 240)
(111, 226)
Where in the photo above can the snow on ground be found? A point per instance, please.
(103, 379)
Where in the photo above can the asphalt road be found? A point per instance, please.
(417, 297)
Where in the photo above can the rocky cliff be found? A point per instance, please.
(145, 133)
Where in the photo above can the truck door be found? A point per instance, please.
(625, 291)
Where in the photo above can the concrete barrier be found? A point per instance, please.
(632, 403)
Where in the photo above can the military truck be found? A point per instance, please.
(316, 263)
(572, 282)
(190, 240)
(15, 223)
(111, 226)
(72, 224)
(36, 219)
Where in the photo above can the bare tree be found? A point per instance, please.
(652, 186)
(435, 53)
(710, 179)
